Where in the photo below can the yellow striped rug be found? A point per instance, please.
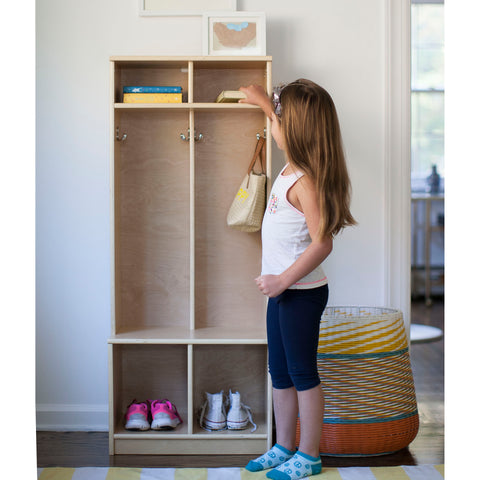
(420, 472)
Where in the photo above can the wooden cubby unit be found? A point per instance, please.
(187, 317)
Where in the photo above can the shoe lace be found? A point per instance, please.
(202, 414)
(169, 405)
(249, 413)
(138, 407)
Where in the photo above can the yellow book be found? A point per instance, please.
(230, 96)
(152, 98)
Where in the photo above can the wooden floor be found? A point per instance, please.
(79, 449)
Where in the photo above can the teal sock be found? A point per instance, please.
(300, 465)
(271, 459)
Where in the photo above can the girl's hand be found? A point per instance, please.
(270, 285)
(256, 95)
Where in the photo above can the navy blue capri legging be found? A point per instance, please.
(293, 323)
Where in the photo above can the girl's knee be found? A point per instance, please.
(305, 381)
(281, 380)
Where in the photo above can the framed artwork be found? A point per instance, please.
(240, 33)
(160, 8)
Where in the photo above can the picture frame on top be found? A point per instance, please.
(161, 8)
(238, 33)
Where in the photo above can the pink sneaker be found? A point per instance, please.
(137, 416)
(164, 415)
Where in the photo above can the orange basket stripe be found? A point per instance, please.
(366, 438)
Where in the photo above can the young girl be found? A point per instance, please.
(308, 206)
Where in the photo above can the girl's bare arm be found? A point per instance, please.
(256, 96)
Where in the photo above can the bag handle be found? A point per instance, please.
(258, 151)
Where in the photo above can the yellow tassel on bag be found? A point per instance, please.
(242, 195)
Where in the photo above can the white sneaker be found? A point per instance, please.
(214, 417)
(239, 415)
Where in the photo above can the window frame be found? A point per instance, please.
(418, 177)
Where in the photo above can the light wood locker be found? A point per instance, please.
(187, 317)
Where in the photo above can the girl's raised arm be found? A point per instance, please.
(256, 96)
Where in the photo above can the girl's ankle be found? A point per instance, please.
(310, 453)
(288, 447)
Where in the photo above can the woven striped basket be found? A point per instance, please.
(364, 364)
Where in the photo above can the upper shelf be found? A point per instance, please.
(185, 106)
(201, 79)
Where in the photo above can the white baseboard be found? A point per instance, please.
(66, 418)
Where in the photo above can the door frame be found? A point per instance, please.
(397, 157)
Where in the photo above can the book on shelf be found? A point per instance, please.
(152, 98)
(152, 89)
(230, 96)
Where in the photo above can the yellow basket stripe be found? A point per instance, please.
(386, 346)
(386, 340)
(359, 328)
(327, 327)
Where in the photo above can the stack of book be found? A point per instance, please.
(137, 94)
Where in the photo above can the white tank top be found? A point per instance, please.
(285, 234)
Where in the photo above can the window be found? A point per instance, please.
(427, 90)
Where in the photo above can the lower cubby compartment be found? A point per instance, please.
(148, 372)
(239, 368)
(183, 373)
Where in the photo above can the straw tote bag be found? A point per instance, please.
(248, 206)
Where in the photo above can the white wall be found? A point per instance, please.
(338, 43)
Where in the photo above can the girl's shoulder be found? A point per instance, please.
(302, 195)
(303, 191)
(302, 178)
(302, 181)
(305, 184)
(289, 169)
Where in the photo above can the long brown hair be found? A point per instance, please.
(313, 144)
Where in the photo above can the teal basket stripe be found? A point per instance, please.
(340, 421)
(363, 355)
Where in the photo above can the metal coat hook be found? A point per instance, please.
(187, 138)
(264, 134)
(120, 139)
